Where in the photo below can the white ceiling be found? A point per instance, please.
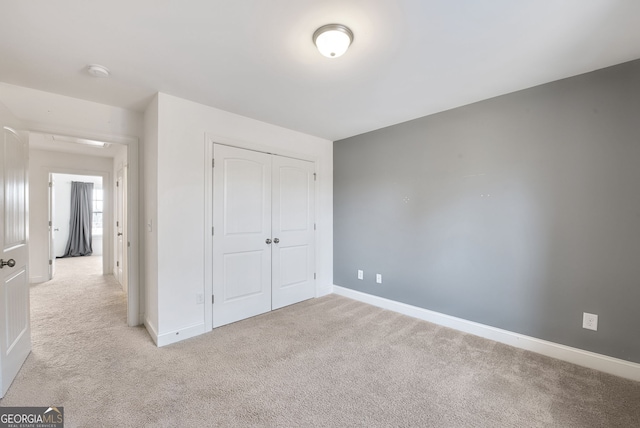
(410, 58)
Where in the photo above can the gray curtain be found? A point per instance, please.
(80, 242)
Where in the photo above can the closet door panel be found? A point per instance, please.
(293, 231)
(242, 234)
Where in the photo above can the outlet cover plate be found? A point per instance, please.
(590, 321)
(360, 274)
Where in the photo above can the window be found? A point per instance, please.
(98, 202)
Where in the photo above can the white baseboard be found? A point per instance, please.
(181, 334)
(577, 356)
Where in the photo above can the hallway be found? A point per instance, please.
(77, 285)
(75, 320)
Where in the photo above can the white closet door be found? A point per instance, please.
(242, 238)
(293, 231)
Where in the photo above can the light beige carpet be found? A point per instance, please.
(327, 362)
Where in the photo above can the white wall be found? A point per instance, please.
(41, 163)
(62, 212)
(184, 129)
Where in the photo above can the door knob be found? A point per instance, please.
(276, 241)
(119, 233)
(268, 241)
(10, 263)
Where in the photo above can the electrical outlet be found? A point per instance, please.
(379, 278)
(199, 298)
(590, 321)
(360, 274)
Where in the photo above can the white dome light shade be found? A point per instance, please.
(333, 40)
(97, 70)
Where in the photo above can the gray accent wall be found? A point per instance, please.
(519, 212)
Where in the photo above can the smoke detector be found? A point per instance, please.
(97, 70)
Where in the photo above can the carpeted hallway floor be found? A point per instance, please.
(327, 362)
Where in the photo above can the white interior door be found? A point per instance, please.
(15, 330)
(52, 227)
(242, 234)
(121, 215)
(293, 250)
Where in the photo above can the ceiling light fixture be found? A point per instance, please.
(332, 40)
(97, 70)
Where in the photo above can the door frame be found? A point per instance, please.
(135, 294)
(120, 204)
(209, 140)
(52, 209)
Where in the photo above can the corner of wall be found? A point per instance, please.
(148, 214)
(153, 332)
(324, 291)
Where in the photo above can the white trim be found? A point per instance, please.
(577, 356)
(208, 235)
(180, 334)
(135, 286)
(257, 147)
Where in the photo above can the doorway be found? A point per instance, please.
(263, 232)
(116, 163)
(60, 197)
